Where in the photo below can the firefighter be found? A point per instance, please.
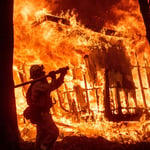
(40, 102)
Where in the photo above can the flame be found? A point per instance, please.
(57, 45)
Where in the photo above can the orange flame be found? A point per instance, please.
(57, 45)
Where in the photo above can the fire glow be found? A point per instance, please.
(80, 106)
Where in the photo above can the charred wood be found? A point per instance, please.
(141, 84)
(118, 99)
(110, 32)
(97, 98)
(80, 98)
(60, 101)
(87, 96)
(108, 112)
(126, 101)
(72, 103)
(92, 72)
(50, 18)
(65, 125)
(68, 97)
(147, 71)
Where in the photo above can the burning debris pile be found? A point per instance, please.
(106, 91)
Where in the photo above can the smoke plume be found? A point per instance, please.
(92, 13)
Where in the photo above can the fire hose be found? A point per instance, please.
(60, 70)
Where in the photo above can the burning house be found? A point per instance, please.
(107, 85)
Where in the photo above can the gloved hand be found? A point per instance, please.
(64, 70)
(52, 74)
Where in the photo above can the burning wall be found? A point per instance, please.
(100, 35)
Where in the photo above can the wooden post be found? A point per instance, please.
(108, 112)
(97, 98)
(147, 71)
(68, 98)
(118, 99)
(126, 99)
(91, 67)
(80, 98)
(87, 96)
(112, 101)
(140, 80)
(60, 101)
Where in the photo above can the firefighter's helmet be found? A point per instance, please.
(35, 71)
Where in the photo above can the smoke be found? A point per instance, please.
(91, 13)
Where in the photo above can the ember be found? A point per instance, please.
(106, 91)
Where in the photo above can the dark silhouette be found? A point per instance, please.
(9, 133)
(40, 102)
(145, 11)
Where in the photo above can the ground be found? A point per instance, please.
(86, 143)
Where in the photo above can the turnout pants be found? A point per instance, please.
(47, 133)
